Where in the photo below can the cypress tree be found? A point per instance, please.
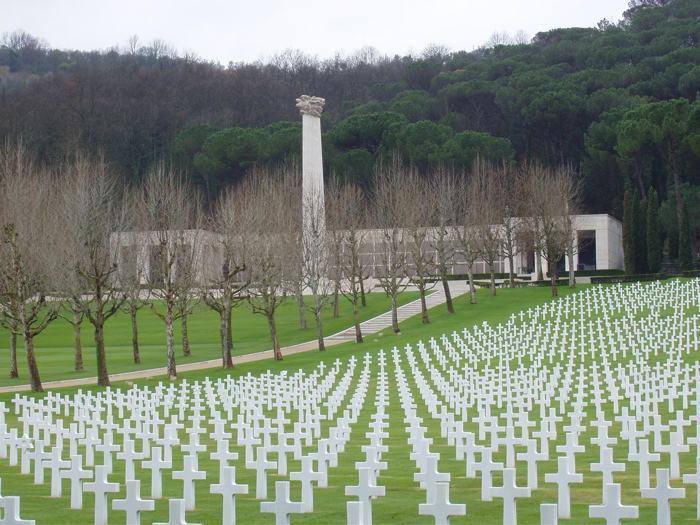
(640, 237)
(654, 254)
(685, 252)
(628, 232)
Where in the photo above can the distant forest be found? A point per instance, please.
(618, 101)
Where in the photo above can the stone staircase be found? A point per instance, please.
(383, 322)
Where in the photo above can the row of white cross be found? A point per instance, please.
(515, 399)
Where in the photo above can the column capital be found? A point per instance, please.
(311, 105)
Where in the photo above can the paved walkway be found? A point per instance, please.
(372, 326)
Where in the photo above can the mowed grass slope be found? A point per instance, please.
(55, 349)
(403, 495)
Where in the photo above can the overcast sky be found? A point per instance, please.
(238, 31)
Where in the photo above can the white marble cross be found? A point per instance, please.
(487, 466)
(441, 508)
(76, 474)
(107, 447)
(644, 457)
(261, 465)
(156, 464)
(307, 476)
(10, 514)
(282, 507)
(510, 492)
(129, 455)
(55, 463)
(177, 513)
(365, 491)
(563, 478)
(612, 510)
(663, 493)
(531, 457)
(133, 505)
(228, 488)
(607, 465)
(101, 487)
(189, 474)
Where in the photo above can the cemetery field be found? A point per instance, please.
(589, 402)
(55, 348)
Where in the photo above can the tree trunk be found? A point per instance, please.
(34, 378)
(319, 330)
(135, 337)
(472, 289)
(14, 371)
(356, 317)
(185, 337)
(170, 341)
(394, 315)
(229, 335)
(102, 375)
(277, 352)
(553, 274)
(677, 188)
(362, 291)
(227, 360)
(448, 296)
(572, 272)
(640, 179)
(302, 310)
(511, 272)
(493, 280)
(423, 305)
(77, 343)
(336, 299)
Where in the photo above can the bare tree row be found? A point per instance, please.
(82, 247)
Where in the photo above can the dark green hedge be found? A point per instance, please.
(593, 273)
(523, 284)
(630, 278)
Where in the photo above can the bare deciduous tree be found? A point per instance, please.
(550, 193)
(315, 262)
(92, 218)
(387, 212)
(227, 284)
(27, 253)
(274, 232)
(170, 217)
(468, 234)
(417, 216)
(510, 206)
(443, 196)
(484, 196)
(75, 317)
(346, 215)
(131, 276)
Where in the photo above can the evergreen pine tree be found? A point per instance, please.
(628, 232)
(685, 253)
(654, 254)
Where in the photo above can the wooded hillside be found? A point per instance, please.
(618, 100)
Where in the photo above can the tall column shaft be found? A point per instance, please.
(312, 174)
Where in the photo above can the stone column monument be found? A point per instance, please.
(313, 204)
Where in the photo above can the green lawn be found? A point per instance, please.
(55, 349)
(400, 505)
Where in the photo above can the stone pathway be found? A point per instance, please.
(381, 322)
(372, 326)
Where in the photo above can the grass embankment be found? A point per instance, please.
(400, 505)
(55, 349)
